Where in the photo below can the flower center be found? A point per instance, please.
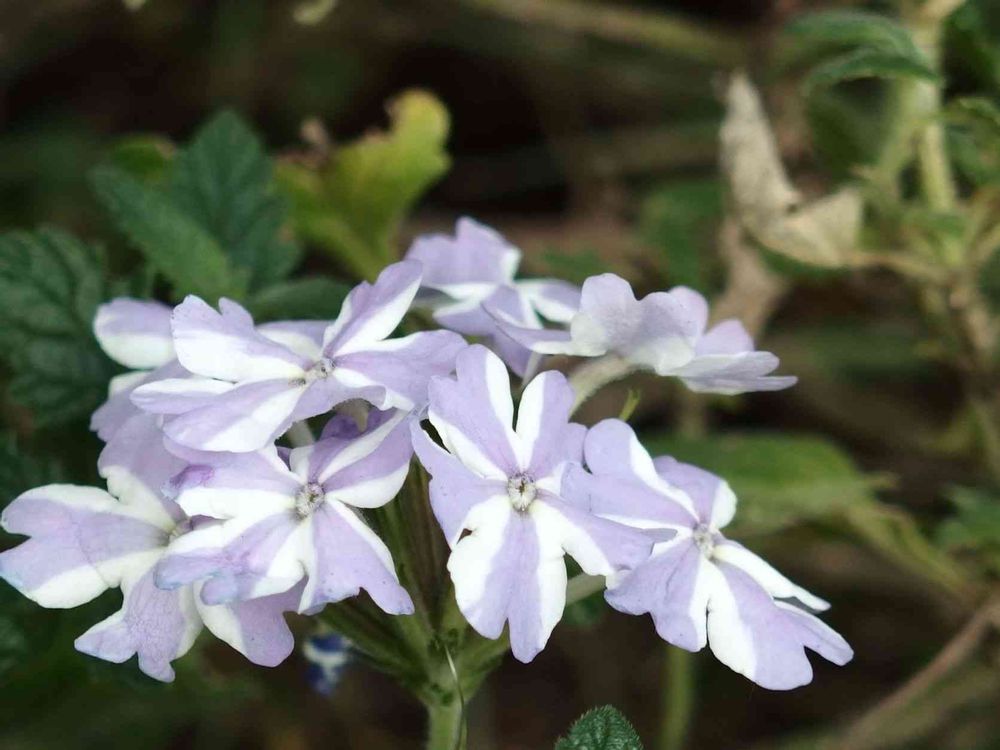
(705, 539)
(308, 498)
(319, 371)
(182, 528)
(521, 491)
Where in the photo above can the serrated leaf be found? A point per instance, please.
(603, 728)
(51, 284)
(310, 298)
(223, 180)
(779, 480)
(179, 248)
(352, 205)
(852, 29)
(868, 63)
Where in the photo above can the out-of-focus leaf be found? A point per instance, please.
(174, 243)
(974, 138)
(352, 205)
(311, 12)
(840, 28)
(604, 728)
(972, 47)
(975, 528)
(868, 63)
(223, 180)
(20, 471)
(680, 219)
(146, 157)
(311, 298)
(779, 480)
(51, 284)
(846, 133)
(822, 233)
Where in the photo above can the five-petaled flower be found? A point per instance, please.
(664, 332)
(252, 388)
(282, 522)
(496, 492)
(84, 541)
(699, 586)
(476, 267)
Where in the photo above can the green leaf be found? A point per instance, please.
(177, 246)
(974, 138)
(223, 180)
(868, 63)
(852, 29)
(352, 205)
(603, 728)
(680, 219)
(146, 157)
(779, 480)
(975, 528)
(51, 284)
(310, 298)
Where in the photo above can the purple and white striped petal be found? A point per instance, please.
(345, 556)
(732, 374)
(155, 625)
(255, 628)
(553, 299)
(546, 438)
(82, 542)
(626, 486)
(225, 345)
(372, 312)
(454, 489)
(476, 257)
(135, 333)
(119, 408)
(400, 368)
(765, 640)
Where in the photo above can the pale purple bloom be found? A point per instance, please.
(477, 267)
(84, 541)
(282, 521)
(699, 586)
(503, 487)
(665, 332)
(134, 333)
(254, 384)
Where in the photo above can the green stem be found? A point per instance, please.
(445, 725)
(678, 699)
(590, 377)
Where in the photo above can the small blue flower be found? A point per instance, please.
(327, 655)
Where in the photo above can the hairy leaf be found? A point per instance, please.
(222, 180)
(51, 284)
(603, 728)
(310, 298)
(173, 242)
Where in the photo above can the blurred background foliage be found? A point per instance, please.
(277, 152)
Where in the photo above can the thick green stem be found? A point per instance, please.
(678, 699)
(445, 725)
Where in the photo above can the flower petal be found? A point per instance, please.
(556, 300)
(546, 439)
(345, 557)
(135, 333)
(732, 374)
(158, 626)
(256, 628)
(473, 413)
(401, 368)
(372, 312)
(226, 346)
(476, 254)
(83, 542)
(711, 497)
(773, 582)
(766, 640)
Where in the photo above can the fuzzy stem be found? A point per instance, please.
(590, 377)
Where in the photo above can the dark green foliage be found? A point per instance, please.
(51, 284)
(603, 728)
(975, 528)
(310, 298)
(681, 220)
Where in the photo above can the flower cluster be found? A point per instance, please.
(222, 511)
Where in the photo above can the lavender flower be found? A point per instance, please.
(252, 387)
(281, 522)
(85, 540)
(664, 332)
(476, 267)
(699, 586)
(503, 487)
